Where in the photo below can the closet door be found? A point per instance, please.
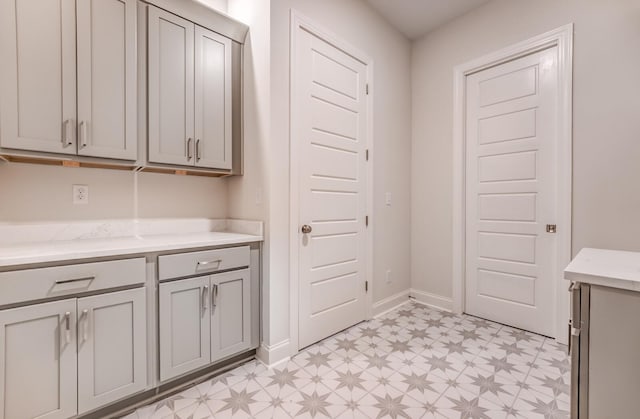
(107, 79)
(112, 347)
(38, 361)
(171, 87)
(38, 43)
(212, 99)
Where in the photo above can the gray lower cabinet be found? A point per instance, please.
(184, 326)
(68, 357)
(112, 347)
(38, 361)
(203, 320)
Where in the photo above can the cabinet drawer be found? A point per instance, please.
(199, 263)
(36, 284)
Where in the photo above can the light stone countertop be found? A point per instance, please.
(608, 268)
(26, 244)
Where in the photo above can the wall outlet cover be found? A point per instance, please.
(80, 194)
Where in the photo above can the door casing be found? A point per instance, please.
(562, 38)
(299, 21)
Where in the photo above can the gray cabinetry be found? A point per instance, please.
(44, 66)
(189, 109)
(206, 318)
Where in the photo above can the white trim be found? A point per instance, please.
(432, 300)
(562, 38)
(274, 355)
(390, 303)
(298, 20)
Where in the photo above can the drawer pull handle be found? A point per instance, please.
(67, 327)
(214, 297)
(85, 328)
(68, 281)
(210, 262)
(203, 302)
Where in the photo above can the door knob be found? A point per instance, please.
(306, 229)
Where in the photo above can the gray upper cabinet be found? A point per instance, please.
(38, 43)
(189, 109)
(40, 77)
(213, 100)
(107, 79)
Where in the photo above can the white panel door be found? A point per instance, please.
(107, 79)
(38, 361)
(171, 88)
(185, 326)
(38, 75)
(112, 347)
(511, 192)
(230, 313)
(331, 128)
(212, 99)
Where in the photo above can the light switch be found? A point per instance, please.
(387, 199)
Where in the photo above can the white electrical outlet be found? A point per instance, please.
(388, 276)
(387, 199)
(80, 194)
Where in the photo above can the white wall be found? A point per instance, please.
(357, 24)
(220, 5)
(30, 192)
(606, 145)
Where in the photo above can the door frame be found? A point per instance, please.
(300, 21)
(561, 37)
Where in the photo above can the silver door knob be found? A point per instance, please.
(306, 229)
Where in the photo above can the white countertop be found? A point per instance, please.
(609, 268)
(74, 241)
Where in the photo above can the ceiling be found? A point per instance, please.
(415, 18)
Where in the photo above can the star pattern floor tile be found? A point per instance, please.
(413, 362)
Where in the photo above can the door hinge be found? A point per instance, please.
(366, 221)
(367, 88)
(367, 154)
(366, 286)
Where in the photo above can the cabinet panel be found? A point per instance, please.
(38, 361)
(212, 99)
(111, 347)
(230, 313)
(107, 79)
(171, 88)
(38, 43)
(184, 326)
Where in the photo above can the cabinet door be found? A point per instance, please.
(38, 43)
(107, 79)
(184, 326)
(170, 79)
(212, 99)
(38, 361)
(230, 313)
(111, 347)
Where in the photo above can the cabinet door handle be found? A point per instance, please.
(214, 297)
(189, 149)
(68, 137)
(198, 153)
(83, 134)
(67, 327)
(85, 325)
(203, 302)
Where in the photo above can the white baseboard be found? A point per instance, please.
(432, 300)
(390, 303)
(273, 355)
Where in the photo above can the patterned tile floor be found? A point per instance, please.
(414, 362)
